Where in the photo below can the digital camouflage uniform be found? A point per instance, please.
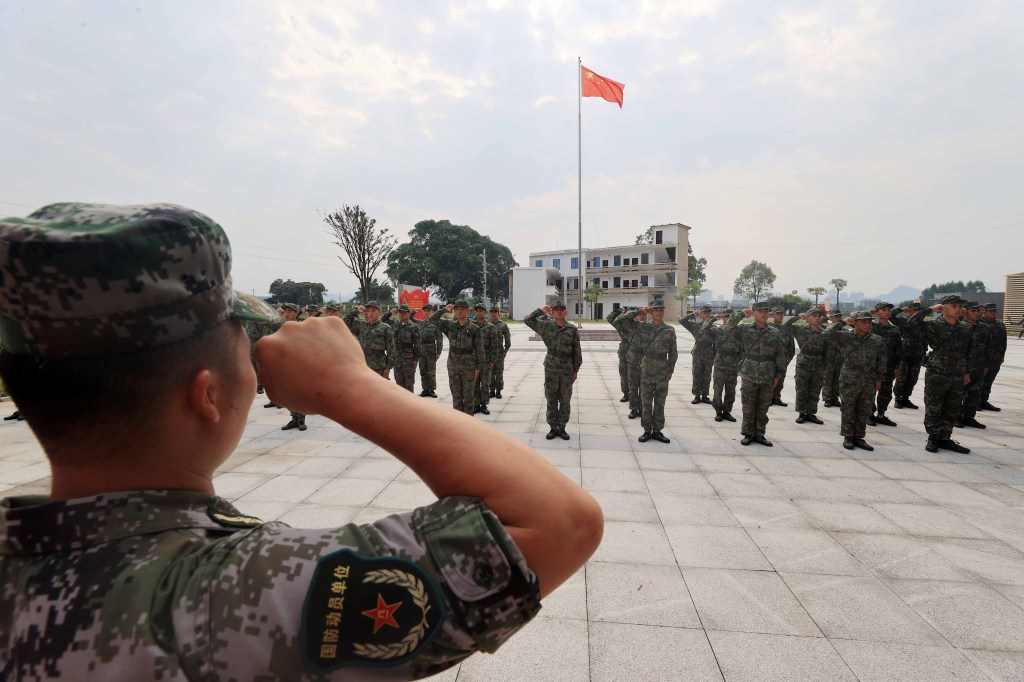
(492, 349)
(431, 345)
(912, 356)
(727, 361)
(177, 584)
(563, 360)
(623, 348)
(656, 366)
(864, 363)
(893, 340)
(977, 361)
(627, 326)
(498, 373)
(789, 345)
(377, 340)
(407, 349)
(995, 354)
(702, 355)
(465, 355)
(762, 360)
(810, 366)
(945, 368)
(833, 366)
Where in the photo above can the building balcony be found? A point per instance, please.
(646, 268)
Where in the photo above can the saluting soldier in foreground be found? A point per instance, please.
(407, 346)
(996, 352)
(465, 353)
(623, 347)
(431, 345)
(945, 370)
(290, 312)
(890, 334)
(727, 362)
(977, 366)
(634, 354)
(561, 364)
(133, 569)
(864, 367)
(376, 337)
(911, 358)
(660, 354)
(810, 365)
(505, 336)
(702, 355)
(762, 362)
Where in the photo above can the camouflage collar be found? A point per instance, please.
(34, 525)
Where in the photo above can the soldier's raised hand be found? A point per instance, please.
(747, 312)
(362, 309)
(848, 320)
(546, 310)
(803, 316)
(449, 308)
(937, 308)
(394, 311)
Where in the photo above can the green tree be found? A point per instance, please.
(816, 292)
(929, 294)
(790, 301)
(690, 290)
(382, 292)
(365, 247)
(591, 295)
(755, 280)
(300, 293)
(448, 259)
(839, 284)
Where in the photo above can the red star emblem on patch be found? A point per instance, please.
(383, 615)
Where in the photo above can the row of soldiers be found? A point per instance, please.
(859, 371)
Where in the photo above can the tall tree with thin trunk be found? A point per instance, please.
(839, 284)
(816, 292)
(365, 246)
(755, 279)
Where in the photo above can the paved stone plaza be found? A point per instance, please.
(799, 562)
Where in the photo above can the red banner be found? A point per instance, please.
(415, 299)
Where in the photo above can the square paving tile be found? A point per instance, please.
(895, 662)
(715, 547)
(693, 510)
(639, 594)
(806, 551)
(617, 650)
(767, 512)
(750, 657)
(747, 601)
(629, 542)
(545, 649)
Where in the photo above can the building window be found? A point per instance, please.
(616, 282)
(558, 284)
(635, 261)
(556, 263)
(643, 280)
(617, 260)
(604, 284)
(538, 263)
(657, 237)
(597, 262)
(604, 263)
(597, 281)
(616, 306)
(645, 258)
(574, 262)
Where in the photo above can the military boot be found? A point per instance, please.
(801, 418)
(883, 420)
(747, 440)
(706, 400)
(872, 421)
(986, 405)
(624, 398)
(812, 418)
(633, 414)
(848, 442)
(644, 437)
(660, 437)
(763, 441)
(973, 423)
(908, 404)
(898, 403)
(727, 416)
(497, 394)
(259, 390)
(779, 403)
(862, 444)
(483, 410)
(932, 445)
(552, 433)
(424, 393)
(562, 434)
(718, 415)
(696, 400)
(953, 446)
(13, 416)
(302, 423)
(293, 424)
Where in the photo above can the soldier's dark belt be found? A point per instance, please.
(371, 351)
(656, 356)
(950, 353)
(562, 354)
(407, 345)
(462, 351)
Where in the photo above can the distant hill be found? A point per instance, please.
(900, 293)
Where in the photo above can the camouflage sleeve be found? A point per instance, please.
(438, 341)
(405, 597)
(495, 344)
(533, 320)
(415, 337)
(506, 334)
(673, 352)
(478, 345)
(626, 323)
(389, 336)
(690, 324)
(438, 319)
(386, 317)
(781, 359)
(577, 352)
(735, 319)
(613, 314)
(881, 361)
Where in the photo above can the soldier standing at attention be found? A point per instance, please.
(893, 340)
(762, 362)
(290, 311)
(407, 346)
(977, 366)
(134, 569)
(785, 330)
(623, 347)
(505, 337)
(727, 362)
(945, 370)
(864, 366)
(492, 347)
(996, 353)
(810, 365)
(833, 366)
(634, 353)
(914, 350)
(376, 338)
(465, 353)
(702, 354)
(431, 345)
(659, 361)
(561, 364)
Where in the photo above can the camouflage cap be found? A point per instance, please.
(705, 309)
(883, 304)
(658, 303)
(778, 309)
(814, 311)
(913, 305)
(495, 309)
(479, 306)
(290, 306)
(372, 304)
(991, 306)
(863, 315)
(404, 309)
(86, 280)
(971, 304)
(952, 298)
(760, 306)
(558, 304)
(835, 313)
(462, 303)
(428, 306)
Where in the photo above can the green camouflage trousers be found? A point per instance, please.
(777, 393)
(558, 393)
(460, 381)
(701, 374)
(910, 370)
(972, 394)
(428, 373)
(653, 391)
(633, 375)
(830, 381)
(405, 373)
(808, 388)
(756, 399)
(990, 378)
(482, 390)
(943, 401)
(498, 374)
(858, 403)
(623, 373)
(725, 389)
(885, 392)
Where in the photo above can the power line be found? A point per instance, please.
(15, 204)
(276, 250)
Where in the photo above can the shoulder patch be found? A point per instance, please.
(368, 611)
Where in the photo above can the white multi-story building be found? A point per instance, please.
(631, 275)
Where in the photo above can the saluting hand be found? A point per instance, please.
(449, 308)
(361, 309)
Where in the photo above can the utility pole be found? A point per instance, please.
(485, 273)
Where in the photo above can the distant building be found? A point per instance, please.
(630, 275)
(1013, 303)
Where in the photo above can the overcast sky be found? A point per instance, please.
(881, 142)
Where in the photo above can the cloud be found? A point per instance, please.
(541, 101)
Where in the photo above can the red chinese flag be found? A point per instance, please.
(599, 86)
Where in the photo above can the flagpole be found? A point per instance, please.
(579, 184)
